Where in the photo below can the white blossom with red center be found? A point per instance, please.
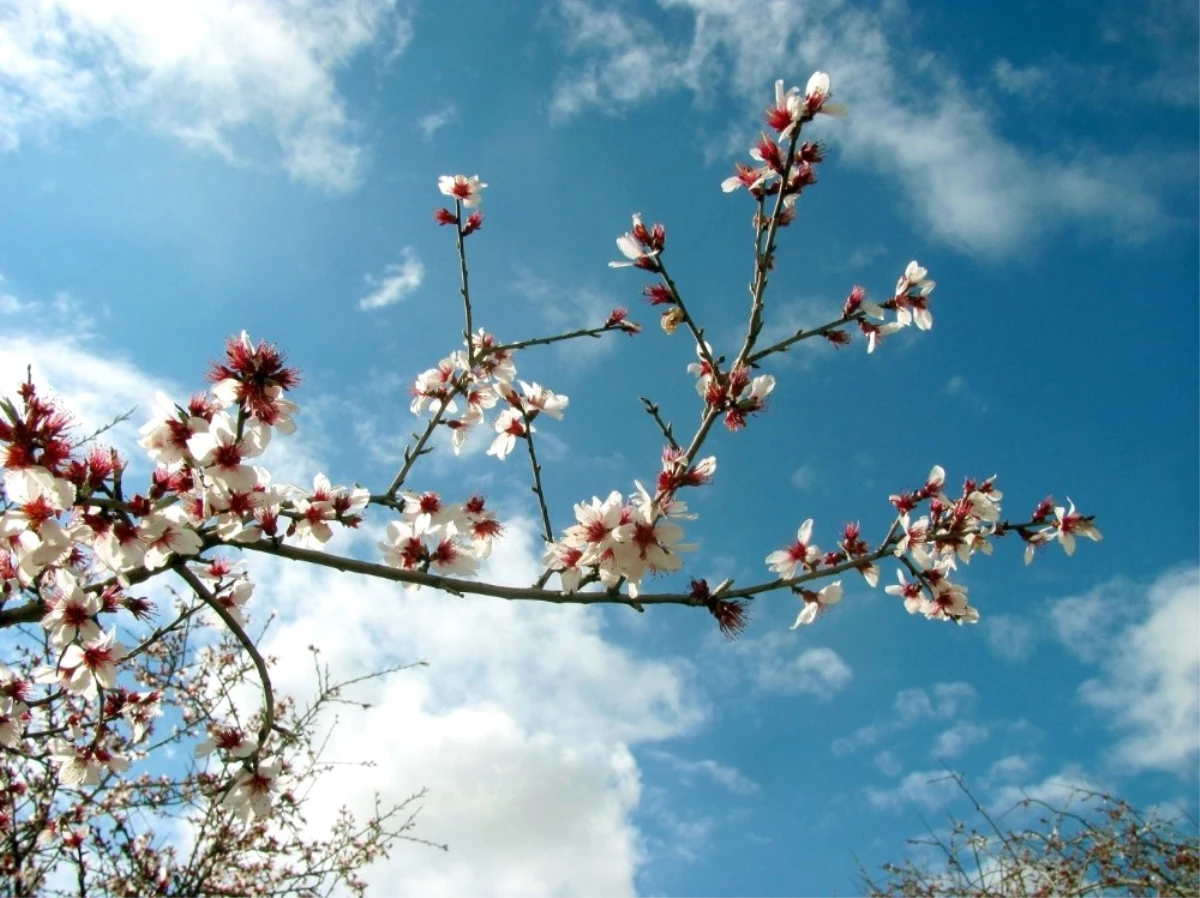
(816, 602)
(510, 424)
(480, 525)
(1071, 524)
(463, 188)
(800, 554)
(166, 533)
(326, 503)
(222, 454)
(913, 595)
(13, 717)
(647, 544)
(72, 610)
(230, 741)
(83, 669)
(84, 765)
(816, 97)
(252, 794)
(566, 560)
(405, 546)
(431, 512)
(600, 525)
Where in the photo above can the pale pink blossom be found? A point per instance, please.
(252, 794)
(72, 611)
(565, 559)
(166, 533)
(82, 669)
(229, 740)
(816, 97)
(816, 602)
(912, 593)
(801, 553)
(461, 187)
(1070, 524)
(510, 424)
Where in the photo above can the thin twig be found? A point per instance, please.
(652, 411)
(537, 476)
(466, 290)
(557, 338)
(247, 643)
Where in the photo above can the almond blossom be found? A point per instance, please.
(84, 669)
(252, 793)
(463, 188)
(816, 602)
(510, 424)
(914, 597)
(72, 611)
(166, 533)
(801, 553)
(1070, 523)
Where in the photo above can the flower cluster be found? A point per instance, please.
(466, 191)
(76, 539)
(614, 541)
(929, 547)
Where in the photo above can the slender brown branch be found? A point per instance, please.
(466, 290)
(247, 643)
(786, 344)
(557, 338)
(412, 453)
(652, 411)
(697, 332)
(537, 477)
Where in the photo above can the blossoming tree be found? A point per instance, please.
(86, 690)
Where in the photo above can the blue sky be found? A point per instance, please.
(171, 174)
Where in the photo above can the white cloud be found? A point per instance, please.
(957, 386)
(433, 122)
(887, 763)
(1059, 790)
(1010, 636)
(213, 74)
(1087, 624)
(521, 728)
(778, 662)
(909, 707)
(728, 777)
(964, 182)
(559, 308)
(1023, 81)
(804, 477)
(931, 789)
(1149, 685)
(398, 281)
(10, 304)
(787, 319)
(953, 742)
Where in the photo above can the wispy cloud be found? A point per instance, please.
(778, 662)
(728, 777)
(804, 477)
(965, 183)
(953, 742)
(210, 75)
(1149, 685)
(561, 307)
(944, 701)
(397, 281)
(433, 122)
(958, 388)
